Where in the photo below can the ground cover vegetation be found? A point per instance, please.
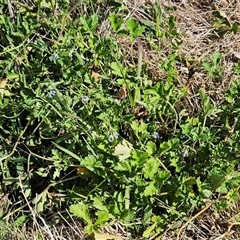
(119, 119)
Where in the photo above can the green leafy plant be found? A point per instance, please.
(222, 23)
(214, 67)
(83, 129)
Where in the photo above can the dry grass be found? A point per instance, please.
(66, 229)
(208, 224)
(200, 42)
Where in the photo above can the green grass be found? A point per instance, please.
(81, 129)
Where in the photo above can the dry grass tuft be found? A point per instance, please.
(200, 42)
(209, 225)
(65, 230)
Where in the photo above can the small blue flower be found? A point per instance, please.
(84, 98)
(156, 135)
(110, 139)
(51, 93)
(116, 135)
(55, 58)
(184, 154)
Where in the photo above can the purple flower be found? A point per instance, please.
(116, 135)
(110, 139)
(51, 93)
(156, 135)
(84, 98)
